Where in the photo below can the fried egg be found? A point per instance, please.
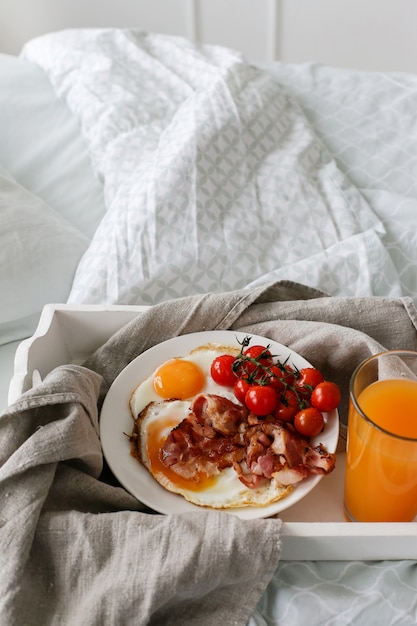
(221, 491)
(182, 378)
(160, 403)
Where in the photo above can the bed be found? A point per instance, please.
(123, 191)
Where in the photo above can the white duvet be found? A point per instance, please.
(214, 179)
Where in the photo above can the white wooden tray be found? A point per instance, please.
(313, 529)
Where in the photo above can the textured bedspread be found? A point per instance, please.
(214, 178)
(367, 121)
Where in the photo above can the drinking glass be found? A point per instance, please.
(381, 454)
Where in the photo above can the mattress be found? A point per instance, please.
(128, 155)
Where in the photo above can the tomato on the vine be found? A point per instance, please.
(275, 378)
(260, 353)
(309, 422)
(240, 388)
(267, 386)
(308, 379)
(287, 406)
(221, 370)
(326, 396)
(288, 375)
(257, 358)
(261, 399)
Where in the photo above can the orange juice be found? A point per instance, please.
(381, 460)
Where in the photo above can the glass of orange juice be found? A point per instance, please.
(381, 453)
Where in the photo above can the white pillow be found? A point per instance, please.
(39, 252)
(42, 146)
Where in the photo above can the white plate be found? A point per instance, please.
(116, 420)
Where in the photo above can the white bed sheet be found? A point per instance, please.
(368, 122)
(7, 355)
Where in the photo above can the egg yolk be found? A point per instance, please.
(178, 378)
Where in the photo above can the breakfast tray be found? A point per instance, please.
(313, 529)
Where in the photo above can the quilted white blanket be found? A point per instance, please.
(214, 179)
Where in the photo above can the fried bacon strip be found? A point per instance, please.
(219, 433)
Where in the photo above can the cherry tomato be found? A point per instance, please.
(326, 396)
(261, 399)
(261, 358)
(275, 379)
(221, 370)
(260, 353)
(309, 378)
(288, 375)
(240, 388)
(309, 422)
(287, 407)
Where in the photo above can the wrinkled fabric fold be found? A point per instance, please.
(205, 161)
(77, 550)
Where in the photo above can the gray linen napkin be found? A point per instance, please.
(76, 548)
